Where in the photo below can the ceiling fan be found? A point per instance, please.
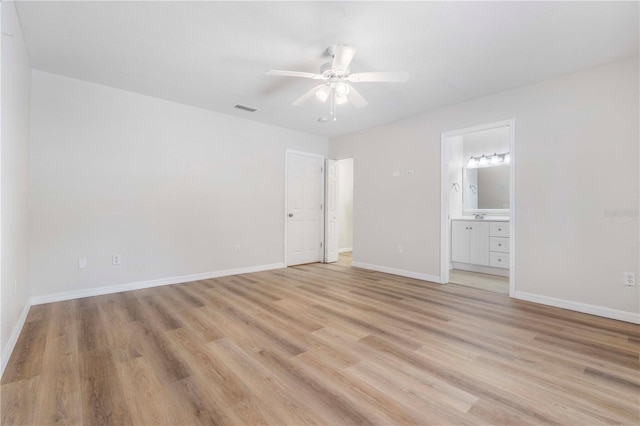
(336, 78)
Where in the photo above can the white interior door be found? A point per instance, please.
(331, 225)
(304, 208)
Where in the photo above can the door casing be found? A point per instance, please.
(331, 213)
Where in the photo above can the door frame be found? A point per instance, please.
(327, 212)
(286, 200)
(353, 213)
(445, 249)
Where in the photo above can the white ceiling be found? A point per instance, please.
(214, 54)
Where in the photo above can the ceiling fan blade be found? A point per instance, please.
(294, 74)
(389, 77)
(356, 99)
(344, 55)
(308, 95)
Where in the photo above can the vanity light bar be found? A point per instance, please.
(486, 161)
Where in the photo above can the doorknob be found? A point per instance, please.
(290, 214)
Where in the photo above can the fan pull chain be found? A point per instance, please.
(333, 111)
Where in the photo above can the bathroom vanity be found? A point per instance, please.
(480, 245)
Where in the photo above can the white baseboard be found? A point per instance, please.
(600, 311)
(400, 272)
(345, 250)
(13, 339)
(69, 295)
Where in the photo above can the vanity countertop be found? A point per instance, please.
(485, 219)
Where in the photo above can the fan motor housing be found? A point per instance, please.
(329, 73)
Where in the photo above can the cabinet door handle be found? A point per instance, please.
(499, 245)
(499, 229)
(471, 227)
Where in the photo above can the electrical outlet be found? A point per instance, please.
(410, 173)
(395, 173)
(236, 248)
(399, 249)
(630, 278)
(115, 259)
(82, 262)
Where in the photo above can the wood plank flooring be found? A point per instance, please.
(486, 282)
(319, 344)
(345, 259)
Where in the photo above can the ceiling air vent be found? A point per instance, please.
(246, 108)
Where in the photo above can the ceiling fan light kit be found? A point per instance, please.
(323, 93)
(336, 77)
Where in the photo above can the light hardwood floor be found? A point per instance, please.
(345, 259)
(319, 344)
(485, 282)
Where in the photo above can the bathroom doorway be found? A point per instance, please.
(478, 207)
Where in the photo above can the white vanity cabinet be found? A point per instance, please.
(480, 243)
(470, 242)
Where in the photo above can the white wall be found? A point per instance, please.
(171, 188)
(576, 156)
(487, 142)
(345, 206)
(14, 155)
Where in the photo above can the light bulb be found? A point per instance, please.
(483, 160)
(341, 89)
(507, 158)
(323, 93)
(472, 162)
(495, 159)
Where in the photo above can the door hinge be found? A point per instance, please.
(321, 169)
(320, 244)
(320, 206)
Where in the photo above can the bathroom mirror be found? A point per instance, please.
(486, 189)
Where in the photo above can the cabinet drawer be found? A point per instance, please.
(499, 260)
(500, 244)
(499, 229)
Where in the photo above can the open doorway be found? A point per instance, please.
(478, 214)
(345, 211)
